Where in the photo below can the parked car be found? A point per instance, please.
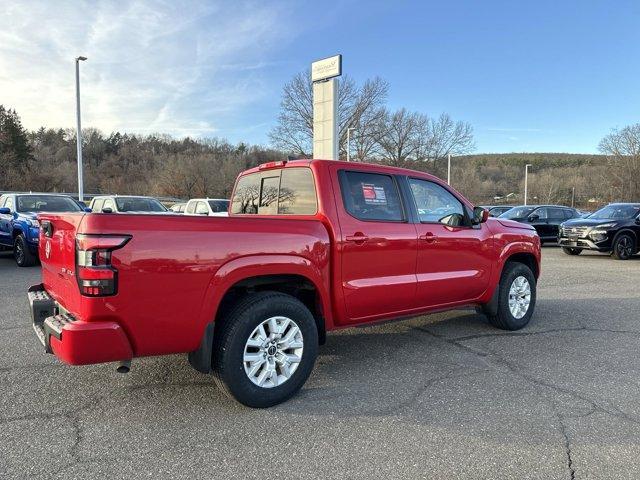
(126, 203)
(178, 207)
(497, 210)
(324, 245)
(213, 207)
(546, 219)
(614, 228)
(19, 227)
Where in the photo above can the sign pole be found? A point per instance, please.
(325, 107)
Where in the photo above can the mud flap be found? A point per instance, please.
(200, 359)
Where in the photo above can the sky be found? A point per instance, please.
(543, 76)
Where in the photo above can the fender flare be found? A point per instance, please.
(240, 269)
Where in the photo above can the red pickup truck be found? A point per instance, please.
(309, 246)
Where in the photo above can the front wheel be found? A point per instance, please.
(21, 253)
(572, 251)
(624, 247)
(516, 297)
(265, 349)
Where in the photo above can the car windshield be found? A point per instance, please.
(219, 206)
(46, 203)
(616, 212)
(517, 212)
(139, 204)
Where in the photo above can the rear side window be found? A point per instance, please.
(371, 196)
(191, 206)
(288, 191)
(556, 213)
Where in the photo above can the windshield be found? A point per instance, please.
(219, 206)
(46, 203)
(140, 204)
(517, 212)
(616, 212)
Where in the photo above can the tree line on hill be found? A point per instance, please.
(161, 165)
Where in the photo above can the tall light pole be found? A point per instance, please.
(526, 181)
(349, 143)
(79, 133)
(448, 169)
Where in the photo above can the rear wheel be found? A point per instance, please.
(516, 297)
(24, 258)
(572, 251)
(265, 349)
(624, 246)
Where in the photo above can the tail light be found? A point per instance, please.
(94, 272)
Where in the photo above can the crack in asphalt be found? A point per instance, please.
(501, 361)
(567, 446)
(540, 332)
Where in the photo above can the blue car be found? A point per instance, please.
(19, 227)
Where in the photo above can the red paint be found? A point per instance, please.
(175, 269)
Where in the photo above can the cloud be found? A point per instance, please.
(153, 66)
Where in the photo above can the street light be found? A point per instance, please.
(349, 143)
(526, 181)
(79, 133)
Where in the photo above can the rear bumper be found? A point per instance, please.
(584, 243)
(74, 341)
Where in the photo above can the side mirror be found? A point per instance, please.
(480, 215)
(5, 211)
(87, 209)
(638, 221)
(107, 210)
(534, 218)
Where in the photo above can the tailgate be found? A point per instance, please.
(58, 257)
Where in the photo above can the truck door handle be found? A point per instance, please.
(357, 238)
(428, 237)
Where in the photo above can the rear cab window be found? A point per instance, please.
(287, 191)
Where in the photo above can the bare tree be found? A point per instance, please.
(400, 135)
(443, 136)
(294, 130)
(623, 149)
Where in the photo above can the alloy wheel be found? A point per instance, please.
(273, 352)
(519, 297)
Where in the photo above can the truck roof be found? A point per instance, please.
(309, 162)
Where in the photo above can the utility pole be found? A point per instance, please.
(79, 132)
(526, 181)
(573, 196)
(349, 143)
(448, 169)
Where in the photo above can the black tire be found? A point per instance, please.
(21, 253)
(234, 331)
(504, 319)
(572, 251)
(624, 246)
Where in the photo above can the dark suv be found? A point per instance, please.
(546, 219)
(614, 228)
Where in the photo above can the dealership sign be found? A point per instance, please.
(326, 68)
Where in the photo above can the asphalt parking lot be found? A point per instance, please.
(444, 396)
